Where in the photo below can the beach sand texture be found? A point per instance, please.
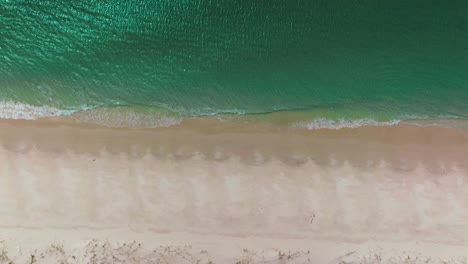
(229, 190)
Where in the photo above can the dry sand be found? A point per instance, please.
(229, 192)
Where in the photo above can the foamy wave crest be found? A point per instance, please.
(14, 110)
(126, 117)
(339, 124)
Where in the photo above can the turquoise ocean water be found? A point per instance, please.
(320, 60)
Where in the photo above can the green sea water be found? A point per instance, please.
(338, 59)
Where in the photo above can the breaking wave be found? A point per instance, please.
(15, 110)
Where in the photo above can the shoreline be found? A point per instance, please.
(220, 185)
(154, 117)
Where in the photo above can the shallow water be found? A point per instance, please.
(335, 60)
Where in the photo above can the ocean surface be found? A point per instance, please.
(316, 63)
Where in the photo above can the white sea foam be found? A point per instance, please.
(127, 117)
(14, 110)
(110, 117)
(339, 124)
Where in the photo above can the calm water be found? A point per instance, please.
(379, 60)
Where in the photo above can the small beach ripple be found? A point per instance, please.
(322, 123)
(130, 117)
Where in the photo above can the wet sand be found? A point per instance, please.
(223, 187)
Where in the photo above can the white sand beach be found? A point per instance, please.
(227, 192)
